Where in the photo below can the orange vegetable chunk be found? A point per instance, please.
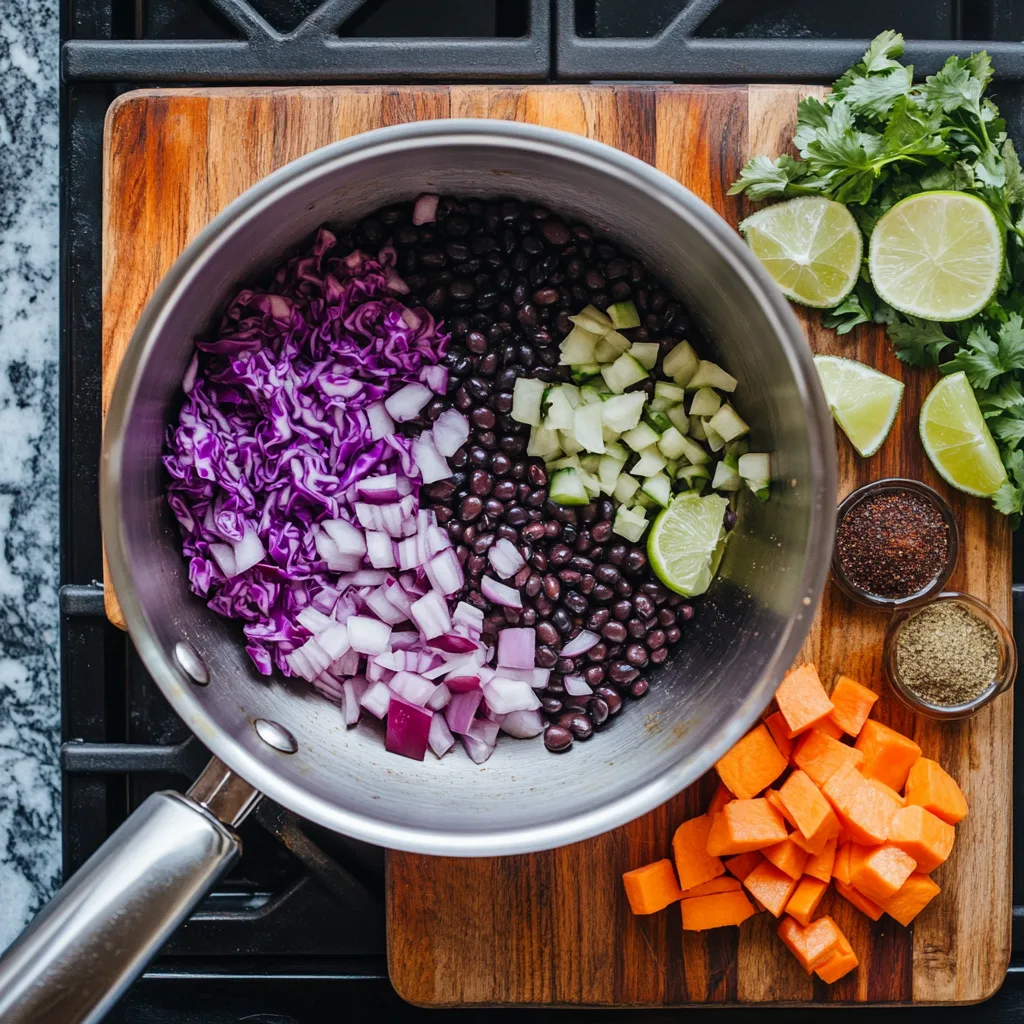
(717, 911)
(931, 787)
(772, 796)
(780, 733)
(802, 699)
(808, 809)
(839, 964)
(852, 704)
(811, 945)
(916, 893)
(724, 883)
(926, 838)
(888, 791)
(859, 900)
(741, 865)
(804, 901)
(819, 865)
(720, 798)
(829, 728)
(745, 825)
(841, 867)
(693, 865)
(752, 765)
(771, 887)
(888, 754)
(862, 810)
(652, 887)
(787, 857)
(881, 871)
(820, 756)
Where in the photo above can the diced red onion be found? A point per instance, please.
(371, 517)
(353, 690)
(393, 520)
(505, 558)
(485, 730)
(580, 644)
(379, 489)
(450, 432)
(398, 597)
(430, 613)
(437, 540)
(411, 687)
(325, 600)
(313, 620)
(409, 554)
(576, 686)
(498, 593)
(540, 678)
(408, 729)
(424, 210)
(492, 716)
(381, 424)
(376, 699)
(477, 750)
(466, 615)
(440, 739)
(378, 603)
(452, 643)
(462, 684)
(461, 709)
(346, 665)
(517, 647)
(368, 636)
(347, 538)
(334, 640)
(523, 724)
(523, 675)
(505, 695)
(405, 403)
(429, 460)
(364, 578)
(380, 550)
(435, 377)
(375, 672)
(404, 639)
(300, 665)
(445, 572)
(330, 687)
(439, 698)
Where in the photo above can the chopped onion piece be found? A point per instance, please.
(381, 424)
(429, 460)
(334, 640)
(353, 690)
(377, 602)
(439, 698)
(376, 699)
(498, 593)
(580, 644)
(408, 729)
(540, 678)
(368, 636)
(379, 489)
(445, 572)
(523, 724)
(485, 730)
(347, 538)
(516, 648)
(576, 686)
(404, 639)
(313, 620)
(505, 695)
(440, 739)
(450, 432)
(405, 403)
(452, 643)
(505, 558)
(411, 687)
(430, 613)
(435, 377)
(462, 684)
(477, 750)
(424, 210)
(461, 709)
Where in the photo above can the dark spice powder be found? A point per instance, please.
(893, 544)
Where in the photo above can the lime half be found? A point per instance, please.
(811, 246)
(957, 440)
(863, 401)
(684, 545)
(937, 255)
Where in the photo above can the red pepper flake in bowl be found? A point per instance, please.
(896, 540)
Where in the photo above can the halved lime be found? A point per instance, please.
(937, 255)
(811, 246)
(684, 546)
(957, 439)
(863, 400)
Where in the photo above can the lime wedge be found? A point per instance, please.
(863, 401)
(957, 440)
(811, 246)
(937, 255)
(685, 543)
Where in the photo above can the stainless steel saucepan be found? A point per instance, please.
(282, 739)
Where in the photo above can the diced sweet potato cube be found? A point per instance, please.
(839, 964)
(771, 887)
(752, 765)
(805, 899)
(808, 809)
(820, 756)
(888, 791)
(830, 728)
(787, 857)
(922, 835)
(841, 866)
(808, 847)
(724, 883)
(772, 796)
(720, 798)
(931, 787)
(741, 865)
(780, 733)
(693, 864)
(811, 945)
(819, 865)
(652, 887)
(745, 825)
(852, 704)
(879, 871)
(717, 911)
(916, 893)
(859, 900)
(888, 754)
(802, 699)
(863, 811)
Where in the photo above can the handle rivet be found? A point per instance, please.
(190, 663)
(275, 735)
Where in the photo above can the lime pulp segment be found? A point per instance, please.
(864, 401)
(685, 543)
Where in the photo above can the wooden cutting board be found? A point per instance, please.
(554, 928)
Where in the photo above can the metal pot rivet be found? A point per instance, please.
(190, 663)
(276, 736)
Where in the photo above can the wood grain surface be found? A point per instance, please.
(554, 928)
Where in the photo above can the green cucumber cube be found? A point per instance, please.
(587, 428)
(590, 318)
(658, 488)
(672, 393)
(706, 402)
(569, 462)
(678, 418)
(568, 442)
(645, 353)
(671, 444)
(715, 442)
(711, 375)
(566, 488)
(693, 452)
(623, 373)
(630, 523)
(625, 487)
(559, 415)
(544, 443)
(527, 395)
(727, 424)
(726, 478)
(577, 347)
(657, 421)
(640, 437)
(622, 412)
(651, 461)
(697, 431)
(681, 363)
(623, 315)
(585, 372)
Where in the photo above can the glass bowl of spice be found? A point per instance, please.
(896, 543)
(947, 659)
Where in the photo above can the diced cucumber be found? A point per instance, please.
(643, 501)
(527, 395)
(681, 363)
(590, 462)
(658, 488)
(672, 393)
(678, 418)
(569, 462)
(651, 462)
(610, 436)
(672, 467)
(671, 444)
(610, 347)
(623, 315)
(608, 472)
(544, 443)
(616, 450)
(559, 415)
(566, 488)
(706, 402)
(640, 437)
(625, 487)
(585, 372)
(733, 451)
(711, 375)
(623, 373)
(657, 421)
(568, 441)
(622, 412)
(587, 427)
(693, 452)
(572, 393)
(727, 424)
(589, 394)
(645, 353)
(715, 442)
(659, 404)
(577, 347)
(697, 430)
(726, 478)
(755, 468)
(590, 318)
(630, 523)
(695, 477)
(591, 484)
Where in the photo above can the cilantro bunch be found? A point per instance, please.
(878, 138)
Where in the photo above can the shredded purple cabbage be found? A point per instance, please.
(273, 434)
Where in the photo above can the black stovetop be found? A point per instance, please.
(295, 934)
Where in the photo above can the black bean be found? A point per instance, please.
(504, 490)
(636, 628)
(559, 554)
(686, 612)
(638, 689)
(576, 602)
(658, 656)
(561, 620)
(624, 588)
(600, 532)
(552, 588)
(555, 232)
(622, 672)
(481, 482)
(622, 610)
(602, 593)
(578, 724)
(644, 606)
(672, 634)
(582, 564)
(636, 654)
(493, 507)
(615, 632)
(516, 516)
(656, 638)
(598, 711)
(594, 674)
(598, 618)
(545, 656)
(617, 554)
(607, 573)
(551, 705)
(635, 562)
(557, 738)
(597, 653)
(471, 508)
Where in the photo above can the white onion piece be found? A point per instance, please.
(484, 730)
(405, 403)
(325, 600)
(248, 551)
(353, 690)
(524, 675)
(381, 424)
(477, 749)
(313, 620)
(499, 593)
(330, 687)
(505, 558)
(576, 686)
(429, 460)
(411, 687)
(461, 709)
(379, 489)
(380, 550)
(437, 540)
(430, 613)
(505, 695)
(347, 538)
(468, 619)
(377, 602)
(445, 572)
(523, 724)
(368, 636)
(493, 716)
(404, 639)
(517, 647)
(300, 665)
(424, 210)
(376, 699)
(364, 578)
(439, 698)
(440, 738)
(315, 655)
(450, 432)
(540, 678)
(346, 665)
(580, 644)
(408, 554)
(397, 596)
(375, 672)
(371, 517)
(435, 377)
(334, 640)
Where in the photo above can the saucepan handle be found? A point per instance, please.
(97, 934)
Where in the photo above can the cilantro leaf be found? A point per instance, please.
(980, 66)
(1009, 499)
(762, 178)
(1014, 180)
(874, 95)
(953, 88)
(884, 48)
(911, 131)
(918, 342)
(984, 359)
(848, 314)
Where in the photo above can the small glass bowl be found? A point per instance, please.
(894, 484)
(1001, 682)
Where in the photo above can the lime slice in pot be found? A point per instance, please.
(686, 540)
(811, 246)
(957, 439)
(937, 255)
(863, 400)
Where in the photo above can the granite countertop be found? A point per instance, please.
(29, 514)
